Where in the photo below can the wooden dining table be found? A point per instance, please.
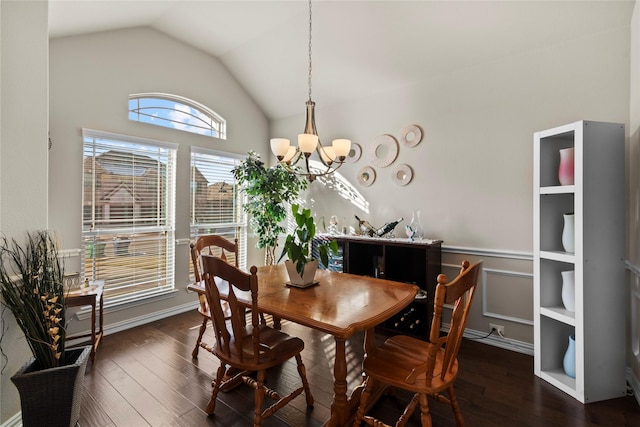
(340, 304)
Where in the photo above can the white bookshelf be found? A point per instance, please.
(597, 201)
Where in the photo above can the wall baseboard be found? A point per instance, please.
(148, 318)
(496, 341)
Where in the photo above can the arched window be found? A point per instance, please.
(177, 112)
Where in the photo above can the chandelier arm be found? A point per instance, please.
(306, 165)
(291, 163)
(329, 170)
(319, 149)
(311, 176)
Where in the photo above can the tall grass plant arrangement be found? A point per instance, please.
(31, 285)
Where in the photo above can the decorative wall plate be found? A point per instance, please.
(411, 135)
(384, 151)
(366, 176)
(354, 153)
(402, 174)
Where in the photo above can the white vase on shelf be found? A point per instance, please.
(568, 233)
(569, 360)
(568, 290)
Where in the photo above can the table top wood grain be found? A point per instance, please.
(340, 304)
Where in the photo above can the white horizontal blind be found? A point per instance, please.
(128, 221)
(216, 202)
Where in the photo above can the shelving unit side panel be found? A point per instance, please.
(604, 246)
(603, 197)
(537, 331)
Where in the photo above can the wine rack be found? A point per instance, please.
(418, 262)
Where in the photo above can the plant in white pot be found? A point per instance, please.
(31, 284)
(301, 266)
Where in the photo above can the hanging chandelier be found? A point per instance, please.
(331, 157)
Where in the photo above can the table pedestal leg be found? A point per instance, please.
(339, 413)
(342, 408)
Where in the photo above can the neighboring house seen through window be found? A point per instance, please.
(176, 112)
(216, 202)
(128, 221)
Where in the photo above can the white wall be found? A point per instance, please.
(633, 211)
(23, 154)
(473, 169)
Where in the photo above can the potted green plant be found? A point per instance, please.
(268, 191)
(31, 284)
(300, 264)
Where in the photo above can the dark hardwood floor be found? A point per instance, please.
(146, 377)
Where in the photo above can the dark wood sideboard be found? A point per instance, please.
(418, 262)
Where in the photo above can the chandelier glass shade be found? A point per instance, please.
(332, 157)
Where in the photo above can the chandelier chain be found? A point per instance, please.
(310, 67)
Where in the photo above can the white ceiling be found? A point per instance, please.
(359, 47)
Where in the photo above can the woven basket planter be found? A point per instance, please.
(52, 397)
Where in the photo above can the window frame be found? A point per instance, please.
(159, 231)
(230, 230)
(216, 127)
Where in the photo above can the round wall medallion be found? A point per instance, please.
(402, 174)
(366, 176)
(384, 151)
(354, 153)
(411, 135)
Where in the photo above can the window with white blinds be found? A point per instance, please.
(216, 201)
(128, 219)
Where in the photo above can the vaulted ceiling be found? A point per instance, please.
(358, 47)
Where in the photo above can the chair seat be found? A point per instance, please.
(274, 346)
(394, 361)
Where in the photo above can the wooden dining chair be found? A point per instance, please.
(424, 368)
(209, 245)
(244, 346)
